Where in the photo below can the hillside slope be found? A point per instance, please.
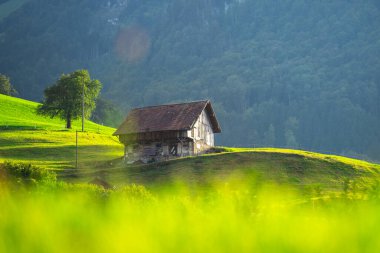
(27, 137)
(300, 169)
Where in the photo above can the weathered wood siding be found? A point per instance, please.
(202, 133)
(152, 136)
(157, 146)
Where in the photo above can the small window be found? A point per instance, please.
(173, 149)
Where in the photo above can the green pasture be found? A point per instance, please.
(20, 114)
(27, 137)
(334, 158)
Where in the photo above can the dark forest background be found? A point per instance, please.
(286, 73)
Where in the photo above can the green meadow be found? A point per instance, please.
(235, 200)
(27, 137)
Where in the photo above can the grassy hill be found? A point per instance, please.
(27, 137)
(301, 169)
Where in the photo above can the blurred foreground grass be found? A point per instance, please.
(39, 214)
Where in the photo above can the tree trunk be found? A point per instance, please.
(68, 121)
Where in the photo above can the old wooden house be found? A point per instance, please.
(162, 132)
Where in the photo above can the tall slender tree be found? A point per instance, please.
(64, 99)
(6, 87)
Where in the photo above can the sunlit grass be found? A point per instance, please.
(228, 217)
(56, 149)
(286, 169)
(20, 114)
(342, 159)
(27, 137)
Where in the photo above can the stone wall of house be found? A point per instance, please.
(158, 151)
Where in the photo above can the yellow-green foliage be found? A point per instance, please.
(27, 172)
(229, 217)
(27, 137)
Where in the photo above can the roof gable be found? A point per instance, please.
(166, 118)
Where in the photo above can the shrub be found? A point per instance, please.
(27, 173)
(135, 192)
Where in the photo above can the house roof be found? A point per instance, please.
(171, 117)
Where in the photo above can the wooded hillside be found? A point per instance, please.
(294, 73)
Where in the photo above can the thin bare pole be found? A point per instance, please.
(83, 108)
(76, 149)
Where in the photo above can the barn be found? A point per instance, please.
(162, 132)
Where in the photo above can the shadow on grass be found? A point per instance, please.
(88, 153)
(18, 128)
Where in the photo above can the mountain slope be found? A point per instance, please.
(301, 74)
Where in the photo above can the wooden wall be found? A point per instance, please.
(157, 146)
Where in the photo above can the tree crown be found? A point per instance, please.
(64, 98)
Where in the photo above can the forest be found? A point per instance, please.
(293, 73)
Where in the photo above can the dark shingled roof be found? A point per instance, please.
(170, 117)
